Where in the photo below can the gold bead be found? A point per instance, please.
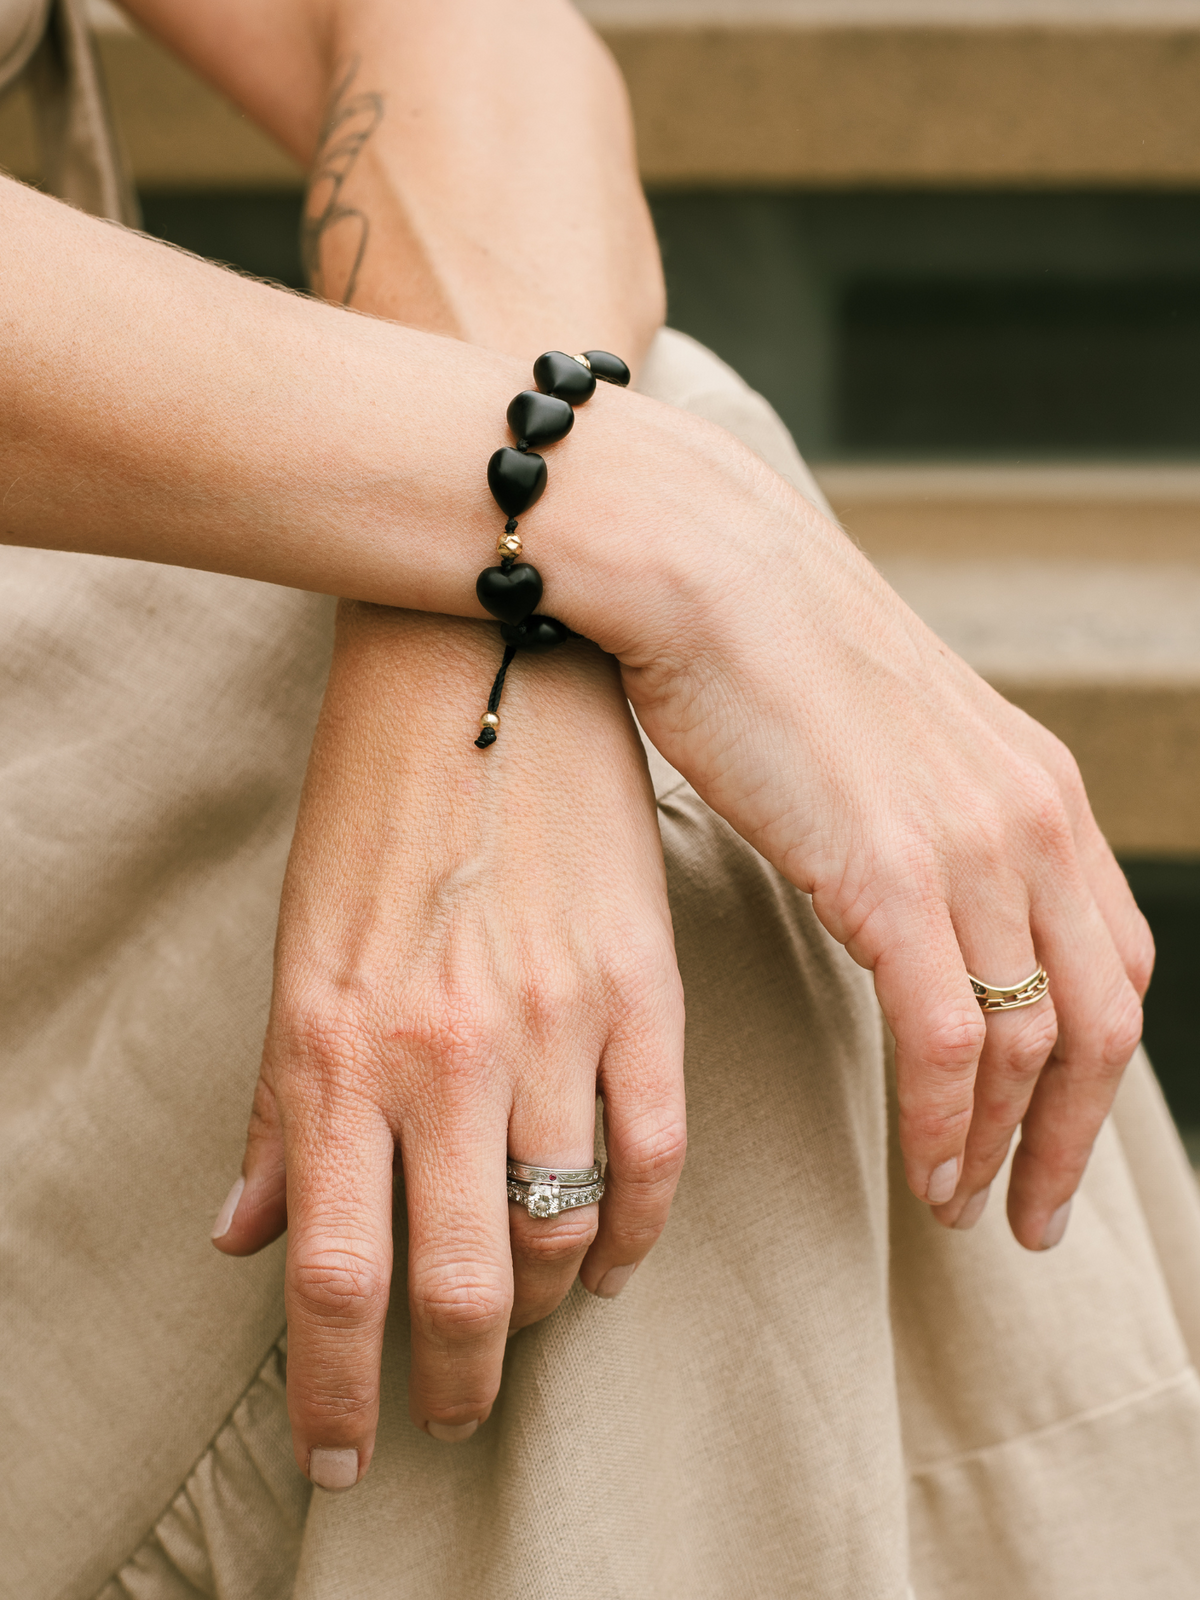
(583, 361)
(509, 544)
(489, 719)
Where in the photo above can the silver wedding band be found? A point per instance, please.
(1010, 997)
(546, 1191)
(573, 1177)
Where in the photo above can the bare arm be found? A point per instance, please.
(154, 407)
(472, 161)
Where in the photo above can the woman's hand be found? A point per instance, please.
(938, 828)
(470, 949)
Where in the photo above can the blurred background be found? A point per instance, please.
(957, 244)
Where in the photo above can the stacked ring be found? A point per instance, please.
(994, 997)
(545, 1191)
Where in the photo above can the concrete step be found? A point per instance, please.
(800, 92)
(1076, 591)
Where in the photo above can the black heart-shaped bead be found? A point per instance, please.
(516, 479)
(557, 374)
(609, 367)
(510, 595)
(535, 633)
(539, 419)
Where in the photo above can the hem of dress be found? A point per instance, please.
(112, 1588)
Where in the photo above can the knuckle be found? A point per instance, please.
(646, 1170)
(333, 1393)
(952, 1046)
(653, 1156)
(1057, 1162)
(1140, 955)
(341, 1039)
(988, 1152)
(550, 999)
(1064, 770)
(1026, 1054)
(989, 841)
(462, 1309)
(645, 974)
(634, 1234)
(1044, 812)
(1122, 1034)
(934, 1126)
(556, 1243)
(455, 1032)
(327, 1044)
(338, 1285)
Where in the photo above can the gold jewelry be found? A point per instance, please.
(993, 997)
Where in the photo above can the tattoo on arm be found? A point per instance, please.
(349, 123)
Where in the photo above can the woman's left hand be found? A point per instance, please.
(471, 946)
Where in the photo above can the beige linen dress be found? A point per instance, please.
(808, 1390)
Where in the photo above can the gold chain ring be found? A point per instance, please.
(994, 997)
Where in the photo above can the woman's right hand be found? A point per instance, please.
(939, 829)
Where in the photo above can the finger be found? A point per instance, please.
(1127, 927)
(460, 1269)
(1016, 1046)
(552, 1125)
(645, 1135)
(939, 1031)
(255, 1209)
(339, 1152)
(1099, 1025)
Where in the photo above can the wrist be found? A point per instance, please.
(416, 682)
(636, 534)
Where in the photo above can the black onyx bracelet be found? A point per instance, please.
(538, 417)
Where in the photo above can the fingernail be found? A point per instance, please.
(973, 1210)
(614, 1280)
(225, 1216)
(450, 1432)
(1057, 1226)
(943, 1181)
(333, 1469)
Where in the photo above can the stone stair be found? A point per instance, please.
(1076, 591)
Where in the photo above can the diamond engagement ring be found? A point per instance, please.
(545, 1191)
(993, 997)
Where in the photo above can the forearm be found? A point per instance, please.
(489, 208)
(153, 407)
(472, 160)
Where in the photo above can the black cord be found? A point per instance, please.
(488, 736)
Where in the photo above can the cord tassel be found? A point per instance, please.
(488, 735)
